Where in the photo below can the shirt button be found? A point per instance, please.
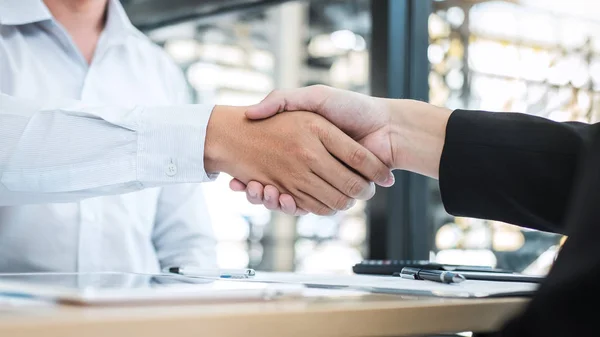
(171, 170)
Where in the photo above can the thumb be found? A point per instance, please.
(308, 98)
(270, 106)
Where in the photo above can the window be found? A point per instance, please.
(238, 60)
(542, 59)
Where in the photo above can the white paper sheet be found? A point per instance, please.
(393, 284)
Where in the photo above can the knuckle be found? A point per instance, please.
(341, 203)
(323, 210)
(320, 94)
(315, 127)
(297, 177)
(324, 135)
(292, 147)
(355, 187)
(307, 156)
(357, 157)
(380, 174)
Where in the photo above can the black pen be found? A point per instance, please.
(441, 276)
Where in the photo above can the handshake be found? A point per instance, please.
(327, 149)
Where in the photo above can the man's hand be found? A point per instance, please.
(366, 119)
(404, 134)
(299, 153)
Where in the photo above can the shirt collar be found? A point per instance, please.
(21, 12)
(118, 24)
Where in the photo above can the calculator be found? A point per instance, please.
(389, 267)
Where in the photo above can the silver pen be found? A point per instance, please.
(217, 273)
(442, 276)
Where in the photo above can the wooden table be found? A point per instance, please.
(357, 315)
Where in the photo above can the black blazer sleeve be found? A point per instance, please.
(566, 304)
(511, 167)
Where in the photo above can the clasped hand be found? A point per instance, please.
(361, 118)
(298, 154)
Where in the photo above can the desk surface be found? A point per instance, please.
(358, 315)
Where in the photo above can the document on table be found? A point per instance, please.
(393, 284)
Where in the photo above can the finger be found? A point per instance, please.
(326, 194)
(307, 98)
(342, 178)
(271, 198)
(237, 186)
(306, 202)
(353, 204)
(300, 212)
(254, 193)
(287, 204)
(357, 157)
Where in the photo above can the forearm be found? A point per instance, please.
(418, 132)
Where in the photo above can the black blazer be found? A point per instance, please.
(540, 174)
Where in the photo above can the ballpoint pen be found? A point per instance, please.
(219, 273)
(441, 276)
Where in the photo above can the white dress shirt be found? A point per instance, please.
(95, 161)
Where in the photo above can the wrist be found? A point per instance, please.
(220, 126)
(417, 135)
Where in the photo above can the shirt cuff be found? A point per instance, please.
(171, 145)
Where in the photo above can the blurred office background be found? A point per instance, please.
(536, 56)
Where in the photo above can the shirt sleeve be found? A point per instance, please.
(62, 151)
(511, 167)
(183, 232)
